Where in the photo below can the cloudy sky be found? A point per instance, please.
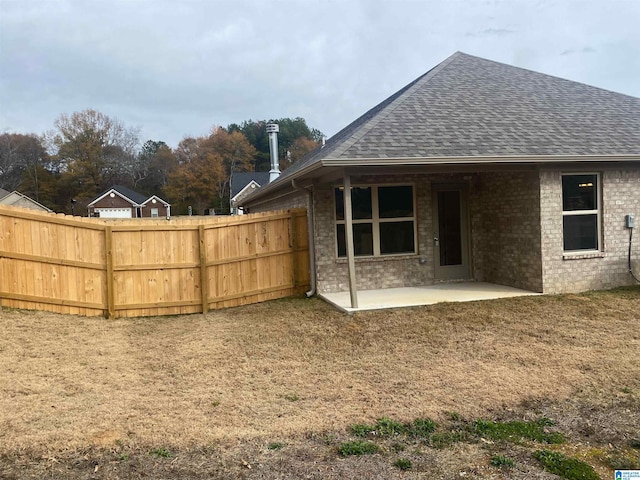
(178, 67)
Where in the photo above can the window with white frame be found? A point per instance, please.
(154, 212)
(581, 216)
(383, 220)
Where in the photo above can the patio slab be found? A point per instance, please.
(428, 295)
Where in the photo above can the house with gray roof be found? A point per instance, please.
(242, 185)
(17, 199)
(476, 171)
(122, 202)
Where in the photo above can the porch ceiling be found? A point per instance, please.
(428, 295)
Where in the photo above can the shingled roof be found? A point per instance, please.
(471, 107)
(242, 179)
(135, 197)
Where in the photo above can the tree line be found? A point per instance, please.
(88, 152)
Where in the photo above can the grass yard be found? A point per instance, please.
(294, 389)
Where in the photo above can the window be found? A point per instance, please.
(154, 212)
(581, 212)
(383, 220)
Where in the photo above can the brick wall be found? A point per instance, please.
(115, 202)
(378, 272)
(506, 233)
(295, 199)
(515, 233)
(570, 273)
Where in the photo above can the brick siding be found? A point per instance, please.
(574, 273)
(294, 199)
(506, 229)
(371, 273)
(504, 217)
(515, 231)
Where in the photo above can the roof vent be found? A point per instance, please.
(272, 130)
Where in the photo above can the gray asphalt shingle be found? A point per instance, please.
(242, 179)
(469, 106)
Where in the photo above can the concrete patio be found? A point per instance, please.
(428, 295)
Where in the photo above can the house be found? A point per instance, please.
(122, 202)
(243, 184)
(17, 199)
(477, 171)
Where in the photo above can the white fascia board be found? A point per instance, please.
(113, 190)
(158, 199)
(285, 182)
(246, 187)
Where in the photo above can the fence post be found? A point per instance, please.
(294, 245)
(204, 279)
(108, 246)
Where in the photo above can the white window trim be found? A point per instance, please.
(375, 220)
(573, 213)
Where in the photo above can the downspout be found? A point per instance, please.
(310, 238)
(630, 220)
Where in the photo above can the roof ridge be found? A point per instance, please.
(393, 104)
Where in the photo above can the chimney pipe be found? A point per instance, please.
(272, 130)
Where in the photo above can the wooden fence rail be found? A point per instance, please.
(145, 267)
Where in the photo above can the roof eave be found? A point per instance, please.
(281, 184)
(476, 159)
(413, 161)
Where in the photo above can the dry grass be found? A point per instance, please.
(297, 369)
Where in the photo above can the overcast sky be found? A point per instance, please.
(178, 67)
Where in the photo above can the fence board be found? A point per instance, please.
(149, 267)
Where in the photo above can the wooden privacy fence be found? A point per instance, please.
(141, 267)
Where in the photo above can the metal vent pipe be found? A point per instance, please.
(272, 130)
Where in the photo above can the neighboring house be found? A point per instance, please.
(122, 202)
(475, 171)
(242, 185)
(155, 207)
(17, 199)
